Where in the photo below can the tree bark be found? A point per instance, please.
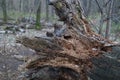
(88, 7)
(47, 11)
(109, 21)
(38, 16)
(4, 11)
(71, 48)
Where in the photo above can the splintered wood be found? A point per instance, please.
(74, 48)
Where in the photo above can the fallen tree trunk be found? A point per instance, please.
(68, 53)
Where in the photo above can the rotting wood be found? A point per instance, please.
(74, 49)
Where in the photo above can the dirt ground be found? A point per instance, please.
(13, 55)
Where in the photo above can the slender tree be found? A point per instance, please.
(109, 21)
(3, 5)
(47, 10)
(38, 16)
(89, 3)
(20, 6)
(52, 13)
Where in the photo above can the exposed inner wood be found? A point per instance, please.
(75, 47)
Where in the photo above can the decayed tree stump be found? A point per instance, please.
(69, 52)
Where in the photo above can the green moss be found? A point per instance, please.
(38, 27)
(59, 5)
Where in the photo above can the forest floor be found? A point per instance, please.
(13, 55)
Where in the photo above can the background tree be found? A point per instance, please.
(97, 11)
(109, 20)
(47, 10)
(38, 17)
(4, 9)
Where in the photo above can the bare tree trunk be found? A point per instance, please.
(109, 21)
(101, 24)
(88, 7)
(101, 9)
(4, 11)
(38, 16)
(47, 11)
(10, 4)
(53, 13)
(21, 6)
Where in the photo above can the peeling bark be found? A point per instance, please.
(73, 50)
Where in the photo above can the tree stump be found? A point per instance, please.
(68, 54)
